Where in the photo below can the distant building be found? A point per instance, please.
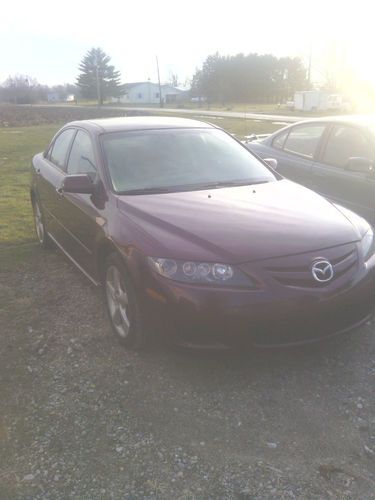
(149, 93)
(57, 97)
(53, 97)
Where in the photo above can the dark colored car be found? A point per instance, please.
(187, 229)
(334, 156)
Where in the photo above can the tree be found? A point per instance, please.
(98, 79)
(19, 89)
(248, 78)
(173, 79)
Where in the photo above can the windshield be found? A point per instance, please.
(176, 160)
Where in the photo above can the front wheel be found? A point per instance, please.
(122, 304)
(40, 227)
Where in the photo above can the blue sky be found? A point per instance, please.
(47, 41)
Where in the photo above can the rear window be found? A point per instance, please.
(279, 140)
(304, 139)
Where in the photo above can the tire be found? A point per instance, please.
(40, 227)
(123, 307)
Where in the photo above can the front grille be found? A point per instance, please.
(343, 259)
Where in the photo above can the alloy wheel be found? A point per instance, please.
(118, 301)
(39, 226)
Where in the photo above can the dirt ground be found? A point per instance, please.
(21, 116)
(83, 418)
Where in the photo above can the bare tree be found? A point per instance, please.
(20, 89)
(173, 79)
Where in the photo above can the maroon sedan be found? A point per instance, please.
(184, 227)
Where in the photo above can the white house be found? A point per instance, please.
(149, 93)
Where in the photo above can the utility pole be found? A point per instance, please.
(160, 97)
(309, 66)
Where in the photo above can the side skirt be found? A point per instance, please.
(85, 273)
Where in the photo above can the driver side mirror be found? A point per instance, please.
(272, 162)
(78, 183)
(358, 164)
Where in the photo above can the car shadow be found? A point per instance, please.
(202, 365)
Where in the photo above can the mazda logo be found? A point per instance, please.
(322, 271)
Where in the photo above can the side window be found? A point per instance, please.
(304, 139)
(60, 147)
(345, 142)
(279, 140)
(81, 159)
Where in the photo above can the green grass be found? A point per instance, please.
(240, 127)
(17, 147)
(240, 107)
(270, 109)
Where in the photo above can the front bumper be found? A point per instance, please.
(271, 316)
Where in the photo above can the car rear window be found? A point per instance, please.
(279, 140)
(304, 139)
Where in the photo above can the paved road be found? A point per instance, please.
(224, 114)
(195, 112)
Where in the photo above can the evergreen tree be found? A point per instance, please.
(98, 79)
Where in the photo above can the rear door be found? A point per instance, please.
(50, 175)
(296, 149)
(356, 190)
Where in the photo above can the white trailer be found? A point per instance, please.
(317, 100)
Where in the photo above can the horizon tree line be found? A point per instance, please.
(249, 78)
(221, 79)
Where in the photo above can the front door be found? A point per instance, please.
(333, 179)
(81, 213)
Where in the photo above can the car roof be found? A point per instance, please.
(362, 120)
(120, 124)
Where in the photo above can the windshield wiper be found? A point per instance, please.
(149, 190)
(219, 184)
(192, 187)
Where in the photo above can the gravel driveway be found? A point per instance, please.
(83, 418)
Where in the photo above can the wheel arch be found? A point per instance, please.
(32, 195)
(131, 261)
(104, 249)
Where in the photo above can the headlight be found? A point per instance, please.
(366, 244)
(201, 272)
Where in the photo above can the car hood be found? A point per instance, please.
(238, 224)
